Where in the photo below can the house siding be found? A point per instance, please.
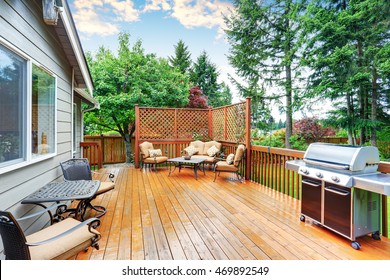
(22, 25)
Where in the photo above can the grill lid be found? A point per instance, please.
(352, 158)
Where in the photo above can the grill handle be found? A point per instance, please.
(310, 183)
(337, 191)
(327, 164)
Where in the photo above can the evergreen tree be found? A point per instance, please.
(345, 45)
(205, 75)
(182, 58)
(264, 38)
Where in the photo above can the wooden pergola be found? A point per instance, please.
(176, 127)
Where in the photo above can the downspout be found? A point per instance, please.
(72, 114)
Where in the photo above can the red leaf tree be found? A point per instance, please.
(197, 99)
(311, 130)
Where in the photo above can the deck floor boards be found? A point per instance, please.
(153, 216)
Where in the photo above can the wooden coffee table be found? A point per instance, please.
(181, 162)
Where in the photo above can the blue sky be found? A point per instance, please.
(160, 24)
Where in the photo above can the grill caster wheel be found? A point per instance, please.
(356, 245)
(376, 235)
(302, 218)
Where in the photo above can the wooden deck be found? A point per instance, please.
(155, 217)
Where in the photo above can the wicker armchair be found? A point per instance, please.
(232, 167)
(61, 240)
(151, 156)
(79, 169)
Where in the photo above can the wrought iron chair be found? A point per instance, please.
(61, 240)
(79, 169)
(232, 167)
(151, 156)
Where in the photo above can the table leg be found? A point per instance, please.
(196, 170)
(170, 168)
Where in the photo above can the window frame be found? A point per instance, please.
(28, 155)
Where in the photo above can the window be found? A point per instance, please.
(13, 76)
(43, 112)
(27, 110)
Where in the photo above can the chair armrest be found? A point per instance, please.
(59, 207)
(92, 222)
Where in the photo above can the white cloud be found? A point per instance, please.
(157, 5)
(89, 22)
(101, 17)
(201, 13)
(124, 10)
(194, 13)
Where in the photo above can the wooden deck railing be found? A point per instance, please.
(266, 167)
(93, 152)
(112, 146)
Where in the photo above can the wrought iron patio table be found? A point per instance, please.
(181, 162)
(82, 190)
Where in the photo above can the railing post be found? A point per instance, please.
(136, 144)
(248, 137)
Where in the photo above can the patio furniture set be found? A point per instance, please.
(196, 156)
(68, 232)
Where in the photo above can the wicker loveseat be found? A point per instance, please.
(208, 150)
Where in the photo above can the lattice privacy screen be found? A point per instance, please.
(221, 124)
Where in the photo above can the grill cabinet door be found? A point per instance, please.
(311, 198)
(337, 209)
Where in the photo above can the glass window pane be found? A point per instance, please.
(13, 71)
(43, 112)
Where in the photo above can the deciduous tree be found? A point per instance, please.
(128, 78)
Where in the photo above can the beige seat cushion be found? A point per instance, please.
(198, 145)
(239, 154)
(66, 246)
(145, 147)
(191, 150)
(230, 159)
(209, 144)
(207, 158)
(105, 187)
(224, 166)
(156, 160)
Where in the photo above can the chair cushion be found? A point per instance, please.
(224, 166)
(199, 145)
(105, 187)
(191, 150)
(230, 159)
(239, 154)
(156, 160)
(212, 151)
(155, 153)
(145, 147)
(209, 144)
(207, 158)
(61, 246)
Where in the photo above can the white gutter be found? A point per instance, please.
(85, 95)
(74, 40)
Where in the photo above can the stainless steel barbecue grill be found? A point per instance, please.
(341, 188)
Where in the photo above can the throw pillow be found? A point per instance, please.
(212, 151)
(230, 159)
(155, 153)
(191, 150)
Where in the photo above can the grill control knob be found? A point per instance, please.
(319, 174)
(335, 178)
(305, 171)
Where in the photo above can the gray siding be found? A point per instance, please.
(79, 130)
(21, 24)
